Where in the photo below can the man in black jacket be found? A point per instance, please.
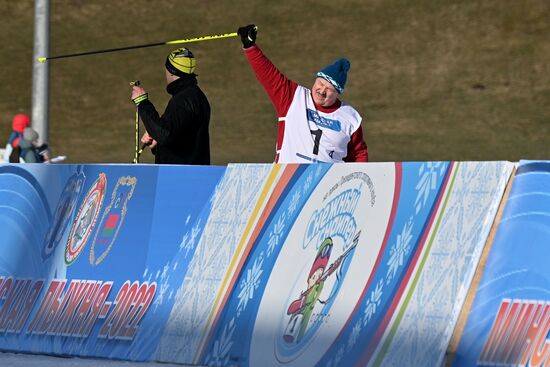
(180, 135)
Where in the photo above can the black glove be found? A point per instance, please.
(248, 35)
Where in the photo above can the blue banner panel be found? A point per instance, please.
(509, 322)
(329, 265)
(249, 264)
(85, 251)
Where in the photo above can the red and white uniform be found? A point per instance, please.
(308, 132)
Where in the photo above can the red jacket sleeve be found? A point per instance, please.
(279, 88)
(357, 148)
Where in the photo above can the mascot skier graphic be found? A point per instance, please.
(301, 309)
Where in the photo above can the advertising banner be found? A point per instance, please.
(84, 252)
(249, 264)
(337, 260)
(509, 322)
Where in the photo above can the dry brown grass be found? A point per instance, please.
(459, 80)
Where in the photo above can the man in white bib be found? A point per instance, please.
(314, 125)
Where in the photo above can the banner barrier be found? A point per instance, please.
(83, 250)
(509, 322)
(249, 264)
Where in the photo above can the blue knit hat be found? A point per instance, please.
(336, 74)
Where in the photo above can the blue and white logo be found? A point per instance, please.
(313, 116)
(322, 268)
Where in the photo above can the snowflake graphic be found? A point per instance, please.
(354, 335)
(272, 242)
(373, 302)
(249, 285)
(194, 232)
(399, 250)
(294, 200)
(427, 183)
(164, 273)
(441, 166)
(188, 241)
(220, 351)
(275, 234)
(184, 242)
(308, 182)
(161, 292)
(339, 355)
(218, 191)
(319, 170)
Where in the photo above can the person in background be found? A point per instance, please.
(30, 151)
(180, 135)
(18, 124)
(314, 125)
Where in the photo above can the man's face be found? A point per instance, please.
(323, 93)
(170, 77)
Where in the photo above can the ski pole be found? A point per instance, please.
(140, 151)
(174, 42)
(137, 151)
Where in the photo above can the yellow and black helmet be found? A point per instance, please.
(181, 62)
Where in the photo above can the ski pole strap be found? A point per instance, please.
(140, 99)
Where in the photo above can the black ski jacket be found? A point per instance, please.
(182, 131)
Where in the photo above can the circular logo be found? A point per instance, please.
(85, 220)
(63, 213)
(322, 268)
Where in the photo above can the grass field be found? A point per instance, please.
(434, 80)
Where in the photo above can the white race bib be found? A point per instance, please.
(313, 136)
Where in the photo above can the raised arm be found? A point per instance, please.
(279, 88)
